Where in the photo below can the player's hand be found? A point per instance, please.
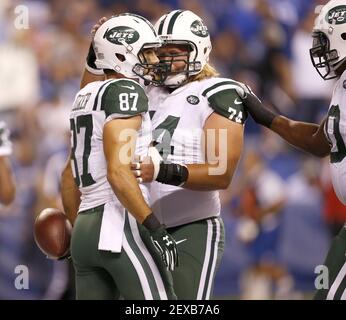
(260, 113)
(162, 242)
(98, 25)
(166, 246)
(146, 169)
(143, 169)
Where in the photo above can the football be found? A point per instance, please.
(52, 233)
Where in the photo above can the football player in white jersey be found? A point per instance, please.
(118, 246)
(197, 122)
(194, 113)
(328, 55)
(7, 184)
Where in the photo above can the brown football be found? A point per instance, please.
(52, 233)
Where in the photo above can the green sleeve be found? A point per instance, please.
(226, 102)
(124, 98)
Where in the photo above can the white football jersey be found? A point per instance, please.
(178, 119)
(94, 105)
(335, 130)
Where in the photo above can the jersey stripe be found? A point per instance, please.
(97, 96)
(211, 274)
(208, 249)
(149, 259)
(211, 259)
(343, 297)
(221, 88)
(139, 269)
(341, 275)
(233, 83)
(172, 21)
(149, 283)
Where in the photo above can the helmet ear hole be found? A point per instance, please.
(343, 36)
(120, 57)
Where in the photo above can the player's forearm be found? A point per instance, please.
(206, 177)
(70, 193)
(305, 136)
(126, 188)
(7, 185)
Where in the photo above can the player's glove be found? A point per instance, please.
(261, 114)
(5, 143)
(163, 242)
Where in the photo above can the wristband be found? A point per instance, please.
(151, 222)
(173, 174)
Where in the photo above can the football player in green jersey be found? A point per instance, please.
(118, 246)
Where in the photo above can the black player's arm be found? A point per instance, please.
(118, 156)
(7, 184)
(217, 173)
(70, 193)
(306, 136)
(309, 137)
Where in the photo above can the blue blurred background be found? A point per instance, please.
(280, 212)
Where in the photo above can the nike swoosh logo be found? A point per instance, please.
(129, 87)
(180, 241)
(237, 101)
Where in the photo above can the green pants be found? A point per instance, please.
(200, 247)
(134, 273)
(336, 265)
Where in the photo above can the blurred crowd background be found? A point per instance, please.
(280, 212)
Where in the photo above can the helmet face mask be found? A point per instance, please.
(153, 73)
(322, 57)
(179, 62)
(183, 28)
(328, 52)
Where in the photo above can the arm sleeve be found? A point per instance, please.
(124, 99)
(224, 100)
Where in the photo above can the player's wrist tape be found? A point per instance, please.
(90, 62)
(156, 159)
(151, 222)
(173, 174)
(259, 113)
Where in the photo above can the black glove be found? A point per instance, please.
(261, 114)
(163, 242)
(90, 62)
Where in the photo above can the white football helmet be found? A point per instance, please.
(183, 27)
(328, 50)
(119, 43)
